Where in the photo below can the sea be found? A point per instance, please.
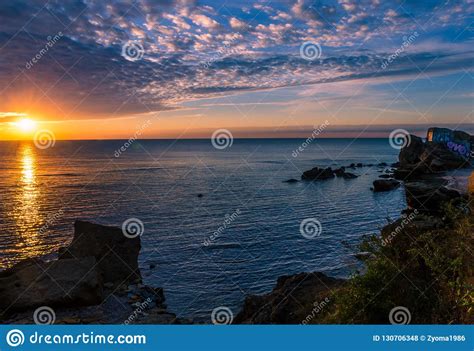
(216, 223)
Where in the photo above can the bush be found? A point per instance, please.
(430, 272)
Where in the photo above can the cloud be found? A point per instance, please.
(194, 50)
(205, 21)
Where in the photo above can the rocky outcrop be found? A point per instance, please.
(116, 254)
(418, 158)
(95, 280)
(318, 174)
(410, 155)
(437, 158)
(385, 185)
(327, 173)
(428, 196)
(58, 283)
(290, 302)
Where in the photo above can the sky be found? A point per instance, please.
(86, 69)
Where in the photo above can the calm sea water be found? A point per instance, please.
(44, 191)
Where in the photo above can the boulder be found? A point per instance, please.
(290, 302)
(34, 283)
(385, 185)
(292, 180)
(116, 254)
(318, 174)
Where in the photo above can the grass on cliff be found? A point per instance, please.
(430, 272)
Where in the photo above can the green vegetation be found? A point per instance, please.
(427, 267)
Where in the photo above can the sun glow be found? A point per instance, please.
(26, 125)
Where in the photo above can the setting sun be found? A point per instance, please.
(26, 125)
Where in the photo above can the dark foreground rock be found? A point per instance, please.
(290, 302)
(385, 185)
(318, 174)
(95, 280)
(58, 283)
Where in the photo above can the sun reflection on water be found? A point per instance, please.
(26, 211)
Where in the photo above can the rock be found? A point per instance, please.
(419, 158)
(200, 195)
(64, 282)
(437, 157)
(363, 255)
(428, 196)
(352, 165)
(318, 174)
(74, 287)
(413, 172)
(116, 254)
(158, 316)
(347, 175)
(109, 285)
(409, 226)
(383, 164)
(411, 153)
(385, 185)
(340, 171)
(290, 302)
(385, 176)
(359, 165)
(292, 180)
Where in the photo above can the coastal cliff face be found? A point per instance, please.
(416, 265)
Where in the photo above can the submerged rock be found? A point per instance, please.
(385, 185)
(318, 174)
(290, 302)
(292, 180)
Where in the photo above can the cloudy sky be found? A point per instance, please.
(107, 69)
